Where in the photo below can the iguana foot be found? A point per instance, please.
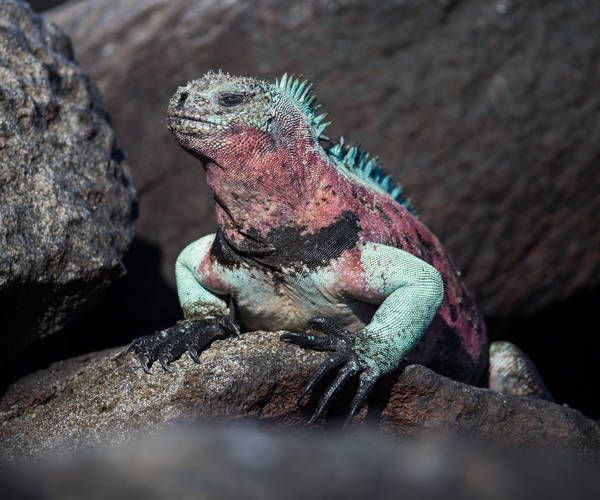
(344, 346)
(189, 335)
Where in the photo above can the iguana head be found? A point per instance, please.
(259, 142)
(228, 119)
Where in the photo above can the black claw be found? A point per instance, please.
(346, 372)
(191, 335)
(323, 369)
(291, 336)
(193, 354)
(164, 362)
(367, 381)
(144, 362)
(229, 325)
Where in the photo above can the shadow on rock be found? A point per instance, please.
(137, 304)
(560, 341)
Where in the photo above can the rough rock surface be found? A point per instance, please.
(485, 110)
(66, 211)
(106, 398)
(233, 461)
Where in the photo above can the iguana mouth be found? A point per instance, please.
(191, 125)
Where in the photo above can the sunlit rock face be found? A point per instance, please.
(66, 199)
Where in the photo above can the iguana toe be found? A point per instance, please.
(342, 343)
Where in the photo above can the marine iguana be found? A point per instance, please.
(315, 240)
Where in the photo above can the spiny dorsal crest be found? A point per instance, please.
(358, 161)
(354, 158)
(301, 92)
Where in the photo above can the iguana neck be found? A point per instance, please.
(276, 189)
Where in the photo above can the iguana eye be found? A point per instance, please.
(229, 99)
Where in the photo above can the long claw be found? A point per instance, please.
(228, 323)
(193, 354)
(324, 368)
(367, 381)
(235, 329)
(164, 362)
(346, 372)
(291, 336)
(144, 362)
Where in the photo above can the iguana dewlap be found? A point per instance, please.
(314, 239)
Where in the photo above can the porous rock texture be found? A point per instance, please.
(485, 110)
(107, 398)
(233, 461)
(66, 200)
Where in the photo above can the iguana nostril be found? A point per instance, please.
(182, 98)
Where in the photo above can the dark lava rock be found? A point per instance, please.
(234, 461)
(66, 200)
(487, 111)
(106, 398)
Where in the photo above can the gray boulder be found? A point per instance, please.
(106, 398)
(66, 199)
(487, 111)
(246, 461)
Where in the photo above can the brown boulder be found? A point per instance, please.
(106, 398)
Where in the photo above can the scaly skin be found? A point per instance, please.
(308, 245)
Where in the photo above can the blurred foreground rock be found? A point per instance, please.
(106, 398)
(233, 461)
(487, 111)
(66, 201)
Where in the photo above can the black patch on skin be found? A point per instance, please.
(289, 246)
(223, 252)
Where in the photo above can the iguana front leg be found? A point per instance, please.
(207, 315)
(409, 292)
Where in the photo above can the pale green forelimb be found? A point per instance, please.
(413, 292)
(196, 300)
